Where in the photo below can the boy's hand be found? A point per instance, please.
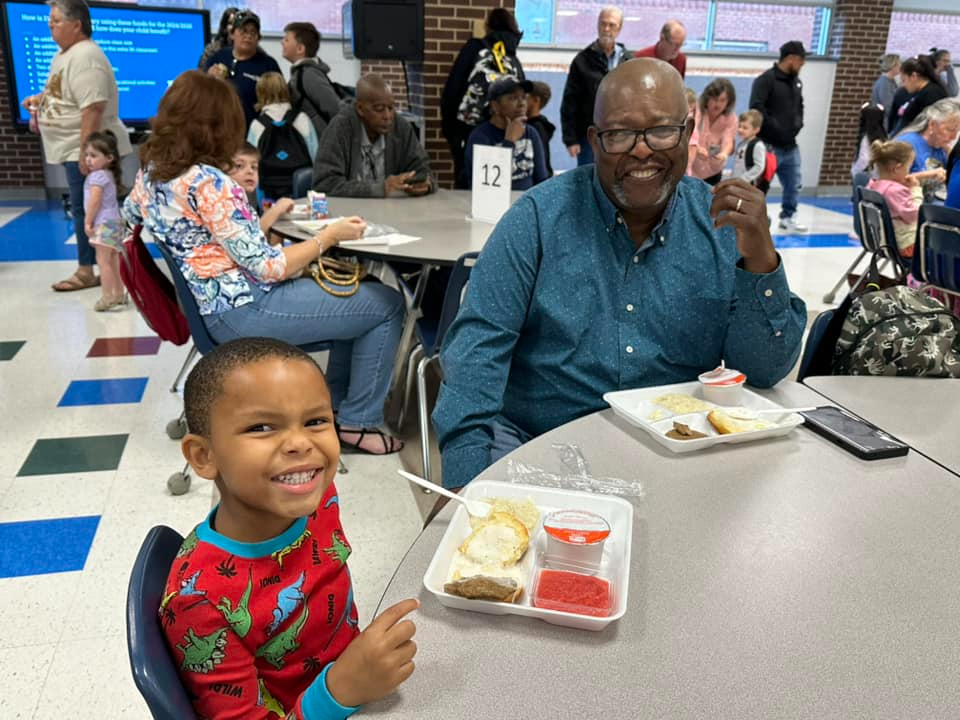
(394, 183)
(378, 660)
(514, 130)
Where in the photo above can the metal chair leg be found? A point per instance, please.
(416, 354)
(424, 417)
(342, 469)
(828, 298)
(183, 369)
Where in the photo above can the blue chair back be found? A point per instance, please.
(876, 225)
(431, 331)
(815, 337)
(936, 259)
(302, 182)
(188, 303)
(153, 667)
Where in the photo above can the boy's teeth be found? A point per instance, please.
(298, 478)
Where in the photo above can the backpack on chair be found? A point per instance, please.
(151, 290)
(492, 64)
(282, 151)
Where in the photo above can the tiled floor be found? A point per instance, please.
(84, 399)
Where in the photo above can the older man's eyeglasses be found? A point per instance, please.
(662, 137)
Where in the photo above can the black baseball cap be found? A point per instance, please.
(794, 47)
(245, 17)
(506, 85)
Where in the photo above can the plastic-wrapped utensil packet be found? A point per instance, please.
(578, 476)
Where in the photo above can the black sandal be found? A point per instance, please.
(390, 444)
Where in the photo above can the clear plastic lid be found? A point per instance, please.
(577, 527)
(722, 376)
(573, 592)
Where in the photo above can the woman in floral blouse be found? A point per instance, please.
(242, 284)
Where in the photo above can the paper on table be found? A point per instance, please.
(390, 239)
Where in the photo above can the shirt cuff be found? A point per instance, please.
(766, 293)
(318, 703)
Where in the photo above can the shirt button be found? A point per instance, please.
(778, 333)
(629, 308)
(629, 348)
(768, 293)
(636, 259)
(619, 220)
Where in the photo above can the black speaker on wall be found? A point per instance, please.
(387, 29)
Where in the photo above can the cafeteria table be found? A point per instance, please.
(922, 412)
(442, 222)
(782, 578)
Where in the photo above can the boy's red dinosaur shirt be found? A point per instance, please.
(251, 625)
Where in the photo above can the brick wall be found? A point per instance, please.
(449, 24)
(21, 164)
(859, 39)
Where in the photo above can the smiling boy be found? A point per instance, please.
(258, 610)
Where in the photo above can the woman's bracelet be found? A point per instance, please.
(319, 241)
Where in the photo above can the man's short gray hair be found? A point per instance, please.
(612, 9)
(75, 10)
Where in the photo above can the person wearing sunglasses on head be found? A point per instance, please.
(243, 62)
(622, 274)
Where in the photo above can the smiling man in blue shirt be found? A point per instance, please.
(619, 275)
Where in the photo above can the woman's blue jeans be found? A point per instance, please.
(364, 330)
(75, 178)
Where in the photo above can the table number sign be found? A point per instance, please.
(492, 179)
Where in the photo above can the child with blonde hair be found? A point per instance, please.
(102, 221)
(901, 191)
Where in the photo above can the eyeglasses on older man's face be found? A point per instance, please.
(620, 141)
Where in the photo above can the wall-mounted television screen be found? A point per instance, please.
(147, 46)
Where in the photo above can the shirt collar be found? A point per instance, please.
(365, 140)
(611, 214)
(206, 533)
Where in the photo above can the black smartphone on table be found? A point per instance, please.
(853, 434)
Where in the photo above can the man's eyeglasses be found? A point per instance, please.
(662, 137)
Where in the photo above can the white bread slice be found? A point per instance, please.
(726, 424)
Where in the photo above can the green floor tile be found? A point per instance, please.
(53, 456)
(10, 348)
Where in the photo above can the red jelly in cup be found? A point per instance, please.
(573, 592)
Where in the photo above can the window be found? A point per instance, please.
(274, 14)
(746, 26)
(913, 33)
(753, 27)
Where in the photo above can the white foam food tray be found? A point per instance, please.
(615, 565)
(638, 408)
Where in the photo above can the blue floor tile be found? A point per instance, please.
(103, 392)
(815, 241)
(40, 234)
(38, 547)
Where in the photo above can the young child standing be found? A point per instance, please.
(537, 100)
(102, 215)
(258, 610)
(246, 172)
(751, 154)
(692, 99)
(901, 190)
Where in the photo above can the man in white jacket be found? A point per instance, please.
(310, 85)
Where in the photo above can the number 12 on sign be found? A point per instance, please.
(491, 182)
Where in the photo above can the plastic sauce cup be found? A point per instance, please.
(723, 386)
(576, 536)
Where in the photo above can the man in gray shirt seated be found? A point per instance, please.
(369, 151)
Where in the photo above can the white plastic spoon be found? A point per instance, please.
(742, 413)
(474, 507)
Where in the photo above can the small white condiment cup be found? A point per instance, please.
(576, 537)
(723, 386)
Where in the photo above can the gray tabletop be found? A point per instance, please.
(440, 219)
(922, 412)
(777, 579)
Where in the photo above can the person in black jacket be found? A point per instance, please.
(920, 87)
(502, 27)
(309, 85)
(778, 95)
(586, 71)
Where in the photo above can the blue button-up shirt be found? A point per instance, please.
(563, 307)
